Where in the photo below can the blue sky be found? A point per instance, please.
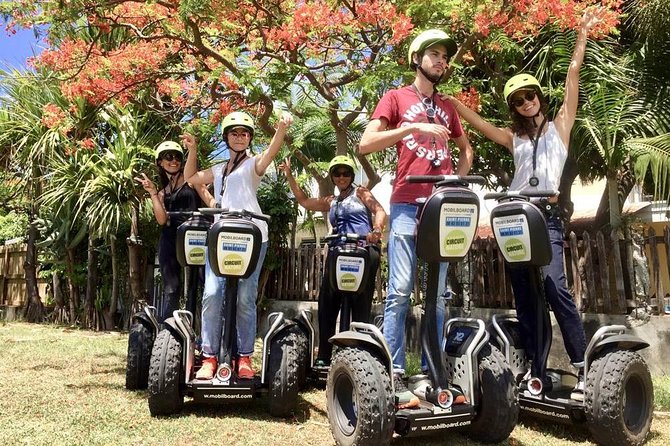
(16, 48)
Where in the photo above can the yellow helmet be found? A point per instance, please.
(237, 119)
(428, 38)
(168, 146)
(341, 160)
(518, 82)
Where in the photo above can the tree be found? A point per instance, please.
(211, 56)
(28, 132)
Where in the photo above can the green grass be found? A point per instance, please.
(662, 393)
(66, 387)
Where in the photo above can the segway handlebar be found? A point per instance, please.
(525, 194)
(183, 213)
(234, 213)
(451, 178)
(344, 237)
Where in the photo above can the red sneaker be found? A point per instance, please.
(244, 369)
(208, 368)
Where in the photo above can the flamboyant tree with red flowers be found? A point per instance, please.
(207, 57)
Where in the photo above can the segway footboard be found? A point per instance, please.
(505, 335)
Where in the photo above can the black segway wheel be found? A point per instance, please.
(619, 399)
(302, 343)
(140, 342)
(165, 374)
(498, 407)
(283, 373)
(359, 398)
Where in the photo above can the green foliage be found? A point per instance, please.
(13, 225)
(275, 201)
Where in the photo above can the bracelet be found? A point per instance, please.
(376, 231)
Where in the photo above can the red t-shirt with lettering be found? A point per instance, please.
(416, 152)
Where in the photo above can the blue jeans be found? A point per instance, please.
(402, 265)
(212, 304)
(558, 296)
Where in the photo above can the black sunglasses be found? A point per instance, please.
(342, 173)
(430, 107)
(528, 96)
(171, 156)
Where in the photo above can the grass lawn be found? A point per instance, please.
(66, 387)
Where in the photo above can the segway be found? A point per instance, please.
(469, 386)
(348, 273)
(233, 248)
(191, 236)
(618, 394)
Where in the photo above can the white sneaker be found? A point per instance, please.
(577, 393)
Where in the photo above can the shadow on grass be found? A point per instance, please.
(571, 432)
(449, 437)
(254, 410)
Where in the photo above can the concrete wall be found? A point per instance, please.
(656, 331)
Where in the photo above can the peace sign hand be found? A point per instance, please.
(147, 184)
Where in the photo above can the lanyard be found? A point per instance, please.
(429, 104)
(534, 181)
(224, 174)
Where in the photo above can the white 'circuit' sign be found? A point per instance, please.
(349, 273)
(194, 247)
(457, 229)
(234, 253)
(511, 232)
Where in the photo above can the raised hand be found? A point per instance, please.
(147, 184)
(188, 141)
(285, 166)
(285, 121)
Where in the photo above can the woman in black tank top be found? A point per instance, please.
(175, 195)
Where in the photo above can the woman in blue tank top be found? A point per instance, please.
(353, 211)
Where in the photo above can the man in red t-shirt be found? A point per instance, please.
(419, 123)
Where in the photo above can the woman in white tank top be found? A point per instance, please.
(540, 148)
(235, 185)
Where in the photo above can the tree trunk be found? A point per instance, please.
(135, 268)
(91, 283)
(33, 310)
(60, 311)
(70, 261)
(108, 314)
(613, 199)
(619, 185)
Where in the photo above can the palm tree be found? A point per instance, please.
(111, 196)
(67, 227)
(31, 143)
(617, 122)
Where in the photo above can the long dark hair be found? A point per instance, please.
(523, 126)
(162, 175)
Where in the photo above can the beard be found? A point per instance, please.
(434, 78)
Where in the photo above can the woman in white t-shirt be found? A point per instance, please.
(540, 148)
(235, 185)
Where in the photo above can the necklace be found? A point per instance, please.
(429, 105)
(225, 172)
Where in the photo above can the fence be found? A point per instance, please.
(12, 276)
(602, 279)
(603, 272)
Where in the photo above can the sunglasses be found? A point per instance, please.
(240, 134)
(527, 96)
(342, 173)
(430, 107)
(172, 156)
